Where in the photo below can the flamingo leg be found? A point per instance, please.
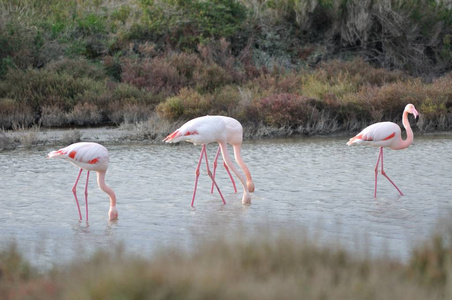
(384, 173)
(230, 176)
(86, 195)
(210, 174)
(197, 175)
(74, 191)
(215, 163)
(376, 171)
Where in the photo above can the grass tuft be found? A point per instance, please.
(277, 265)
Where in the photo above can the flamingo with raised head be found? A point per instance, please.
(205, 130)
(90, 157)
(386, 134)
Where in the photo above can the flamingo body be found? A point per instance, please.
(382, 134)
(90, 157)
(219, 129)
(85, 155)
(386, 135)
(199, 131)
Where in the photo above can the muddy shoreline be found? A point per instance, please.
(108, 135)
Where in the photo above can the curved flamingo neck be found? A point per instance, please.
(409, 132)
(224, 152)
(106, 188)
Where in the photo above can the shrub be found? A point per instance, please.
(430, 262)
(286, 110)
(211, 76)
(200, 20)
(356, 71)
(321, 89)
(36, 88)
(85, 114)
(14, 114)
(130, 113)
(156, 76)
(53, 116)
(226, 101)
(6, 142)
(128, 93)
(186, 65)
(77, 68)
(279, 81)
(387, 102)
(17, 46)
(186, 105)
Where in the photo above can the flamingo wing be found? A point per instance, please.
(381, 134)
(89, 156)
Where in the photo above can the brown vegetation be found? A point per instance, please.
(306, 67)
(256, 268)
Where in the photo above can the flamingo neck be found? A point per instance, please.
(106, 188)
(409, 132)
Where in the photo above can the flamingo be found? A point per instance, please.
(90, 157)
(386, 134)
(209, 129)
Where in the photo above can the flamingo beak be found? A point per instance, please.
(415, 113)
(172, 136)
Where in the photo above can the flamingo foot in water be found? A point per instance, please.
(113, 213)
(246, 199)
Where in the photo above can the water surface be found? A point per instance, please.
(318, 185)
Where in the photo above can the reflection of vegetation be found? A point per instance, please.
(86, 63)
(256, 268)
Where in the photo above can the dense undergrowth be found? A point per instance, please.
(308, 67)
(280, 267)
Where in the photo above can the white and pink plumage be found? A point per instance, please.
(222, 130)
(234, 137)
(90, 157)
(389, 135)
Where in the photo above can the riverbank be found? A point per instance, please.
(150, 132)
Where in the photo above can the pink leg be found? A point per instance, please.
(210, 174)
(215, 163)
(384, 174)
(376, 172)
(74, 191)
(230, 176)
(197, 174)
(86, 196)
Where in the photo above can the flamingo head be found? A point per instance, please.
(55, 154)
(412, 110)
(113, 213)
(171, 137)
(246, 199)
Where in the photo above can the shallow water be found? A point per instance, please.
(314, 185)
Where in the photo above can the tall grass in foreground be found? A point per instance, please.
(277, 267)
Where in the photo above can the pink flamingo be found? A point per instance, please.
(89, 157)
(205, 130)
(386, 134)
